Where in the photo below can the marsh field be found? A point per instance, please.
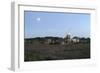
(44, 52)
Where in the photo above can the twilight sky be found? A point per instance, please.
(41, 24)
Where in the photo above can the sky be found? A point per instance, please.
(41, 24)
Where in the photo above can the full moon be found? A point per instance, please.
(38, 19)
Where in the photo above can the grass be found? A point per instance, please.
(41, 52)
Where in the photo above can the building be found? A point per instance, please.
(75, 40)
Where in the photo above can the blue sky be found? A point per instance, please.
(41, 24)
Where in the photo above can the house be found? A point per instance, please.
(53, 40)
(75, 40)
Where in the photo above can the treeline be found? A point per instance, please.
(50, 39)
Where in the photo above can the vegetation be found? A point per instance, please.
(37, 50)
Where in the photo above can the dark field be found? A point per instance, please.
(39, 52)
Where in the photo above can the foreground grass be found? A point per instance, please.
(39, 52)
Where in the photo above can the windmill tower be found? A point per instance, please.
(67, 38)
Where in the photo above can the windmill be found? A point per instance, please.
(67, 37)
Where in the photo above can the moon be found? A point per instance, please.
(38, 19)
